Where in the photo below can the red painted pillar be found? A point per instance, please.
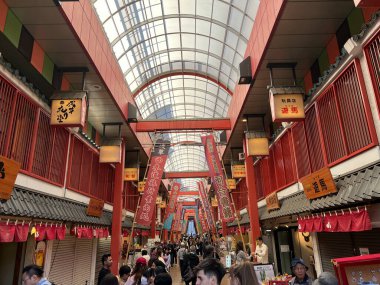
(116, 214)
(252, 197)
(165, 235)
(224, 229)
(153, 223)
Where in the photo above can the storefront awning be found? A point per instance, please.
(29, 204)
(356, 188)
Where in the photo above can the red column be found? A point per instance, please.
(153, 224)
(224, 229)
(252, 197)
(165, 235)
(116, 214)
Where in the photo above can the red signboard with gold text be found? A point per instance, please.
(95, 207)
(8, 173)
(319, 183)
(153, 181)
(173, 199)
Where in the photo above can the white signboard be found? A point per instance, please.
(264, 272)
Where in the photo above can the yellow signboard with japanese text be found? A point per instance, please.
(238, 171)
(231, 183)
(141, 186)
(131, 174)
(287, 107)
(319, 183)
(8, 172)
(69, 112)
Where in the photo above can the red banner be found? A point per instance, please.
(173, 199)
(218, 179)
(206, 206)
(176, 225)
(353, 221)
(22, 231)
(7, 232)
(156, 169)
(203, 221)
(61, 232)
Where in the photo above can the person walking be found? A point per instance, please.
(241, 256)
(107, 263)
(181, 253)
(191, 260)
(209, 272)
(243, 274)
(33, 275)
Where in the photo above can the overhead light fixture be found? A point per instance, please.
(257, 143)
(110, 150)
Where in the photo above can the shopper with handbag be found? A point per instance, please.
(190, 261)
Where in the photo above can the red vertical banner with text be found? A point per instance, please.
(218, 178)
(206, 206)
(153, 180)
(173, 199)
(176, 225)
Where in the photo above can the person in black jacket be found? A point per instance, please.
(107, 263)
(190, 261)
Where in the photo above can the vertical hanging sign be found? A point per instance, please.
(176, 225)
(173, 199)
(218, 178)
(206, 205)
(153, 180)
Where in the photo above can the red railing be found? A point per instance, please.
(87, 175)
(27, 137)
(372, 52)
(337, 126)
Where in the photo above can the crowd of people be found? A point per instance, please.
(199, 264)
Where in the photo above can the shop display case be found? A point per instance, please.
(358, 270)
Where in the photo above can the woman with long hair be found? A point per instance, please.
(140, 268)
(243, 274)
(240, 254)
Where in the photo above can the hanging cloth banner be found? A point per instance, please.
(353, 221)
(176, 225)
(206, 206)
(203, 222)
(173, 199)
(168, 222)
(218, 178)
(7, 232)
(156, 169)
(197, 221)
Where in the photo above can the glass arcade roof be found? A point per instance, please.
(180, 59)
